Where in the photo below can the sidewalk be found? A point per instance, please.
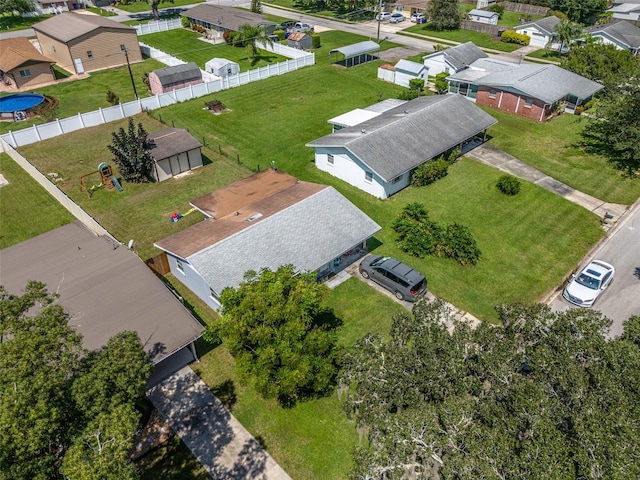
(495, 157)
(215, 437)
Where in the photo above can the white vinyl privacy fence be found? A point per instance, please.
(36, 133)
(158, 26)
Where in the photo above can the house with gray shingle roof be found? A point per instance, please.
(623, 35)
(175, 77)
(218, 18)
(266, 220)
(174, 151)
(86, 43)
(454, 59)
(379, 154)
(541, 32)
(531, 90)
(626, 10)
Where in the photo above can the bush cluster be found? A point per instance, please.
(281, 34)
(429, 172)
(511, 36)
(420, 236)
(315, 40)
(497, 8)
(112, 98)
(508, 184)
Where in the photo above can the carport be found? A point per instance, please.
(356, 53)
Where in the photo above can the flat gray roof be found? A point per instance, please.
(105, 288)
(178, 73)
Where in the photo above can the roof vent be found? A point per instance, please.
(363, 131)
(406, 112)
(253, 217)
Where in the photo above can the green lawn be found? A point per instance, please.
(104, 12)
(27, 209)
(171, 461)
(545, 54)
(509, 19)
(16, 22)
(185, 44)
(89, 94)
(551, 147)
(137, 7)
(482, 40)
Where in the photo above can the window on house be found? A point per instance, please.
(397, 179)
(180, 266)
(492, 93)
(25, 73)
(368, 176)
(330, 159)
(89, 54)
(528, 102)
(212, 294)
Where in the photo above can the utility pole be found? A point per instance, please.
(379, 20)
(133, 84)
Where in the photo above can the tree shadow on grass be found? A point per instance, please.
(226, 393)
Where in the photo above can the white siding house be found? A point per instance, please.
(626, 11)
(379, 155)
(407, 70)
(483, 16)
(622, 35)
(452, 59)
(541, 32)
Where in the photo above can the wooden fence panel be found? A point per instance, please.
(159, 264)
(525, 8)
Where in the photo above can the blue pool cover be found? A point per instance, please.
(20, 101)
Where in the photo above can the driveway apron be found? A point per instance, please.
(220, 443)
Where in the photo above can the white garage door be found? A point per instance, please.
(538, 40)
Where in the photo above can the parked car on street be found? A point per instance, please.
(417, 18)
(383, 16)
(287, 25)
(588, 285)
(405, 282)
(303, 27)
(396, 18)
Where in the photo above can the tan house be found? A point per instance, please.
(85, 43)
(22, 65)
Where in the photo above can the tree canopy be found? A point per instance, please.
(57, 399)
(250, 36)
(15, 6)
(614, 131)
(131, 152)
(581, 11)
(444, 14)
(275, 327)
(544, 395)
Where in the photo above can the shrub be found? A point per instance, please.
(185, 22)
(416, 84)
(589, 104)
(281, 34)
(440, 83)
(408, 94)
(459, 244)
(315, 40)
(429, 172)
(112, 98)
(511, 36)
(579, 110)
(508, 184)
(497, 8)
(451, 156)
(228, 37)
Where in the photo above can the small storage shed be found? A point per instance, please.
(300, 40)
(175, 151)
(173, 78)
(483, 16)
(222, 67)
(407, 70)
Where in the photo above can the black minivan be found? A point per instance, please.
(405, 282)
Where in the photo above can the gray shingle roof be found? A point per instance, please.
(68, 26)
(307, 234)
(355, 49)
(624, 32)
(482, 13)
(409, 135)
(549, 83)
(461, 55)
(228, 17)
(178, 73)
(172, 141)
(548, 24)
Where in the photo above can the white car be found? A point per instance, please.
(383, 16)
(586, 286)
(396, 18)
(417, 18)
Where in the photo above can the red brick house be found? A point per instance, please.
(531, 90)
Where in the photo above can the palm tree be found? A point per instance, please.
(566, 32)
(250, 36)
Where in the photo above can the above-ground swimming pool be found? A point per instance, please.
(20, 102)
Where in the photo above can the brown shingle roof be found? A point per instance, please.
(68, 26)
(265, 193)
(172, 141)
(15, 52)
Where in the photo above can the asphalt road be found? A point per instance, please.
(621, 249)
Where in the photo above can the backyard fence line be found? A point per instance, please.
(58, 194)
(37, 133)
(155, 26)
